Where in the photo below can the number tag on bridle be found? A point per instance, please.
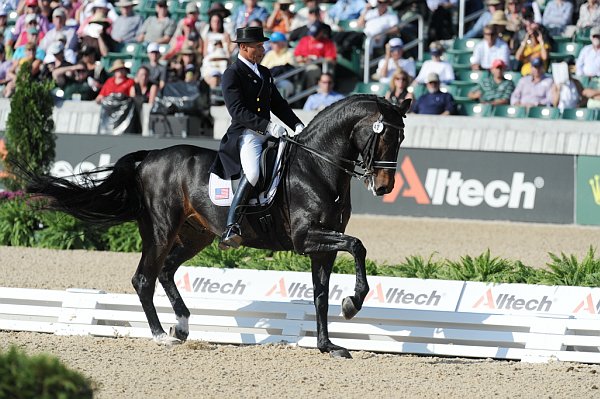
(378, 127)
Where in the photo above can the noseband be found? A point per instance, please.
(368, 163)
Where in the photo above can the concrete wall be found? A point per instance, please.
(422, 131)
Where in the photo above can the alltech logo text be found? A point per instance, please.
(587, 306)
(444, 186)
(509, 301)
(379, 294)
(209, 286)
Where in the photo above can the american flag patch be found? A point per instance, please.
(221, 193)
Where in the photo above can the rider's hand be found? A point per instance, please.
(298, 130)
(276, 130)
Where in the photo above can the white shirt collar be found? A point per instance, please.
(250, 65)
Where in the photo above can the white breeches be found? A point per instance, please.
(251, 146)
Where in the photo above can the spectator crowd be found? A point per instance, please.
(517, 55)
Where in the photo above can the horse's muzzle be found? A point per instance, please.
(384, 182)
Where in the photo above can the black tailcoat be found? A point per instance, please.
(249, 100)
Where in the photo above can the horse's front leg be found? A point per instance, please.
(322, 264)
(321, 240)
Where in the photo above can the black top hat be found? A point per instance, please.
(250, 34)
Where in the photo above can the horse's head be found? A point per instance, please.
(379, 136)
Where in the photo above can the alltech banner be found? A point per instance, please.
(274, 286)
(588, 190)
(579, 302)
(477, 185)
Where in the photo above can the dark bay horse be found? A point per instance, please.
(166, 192)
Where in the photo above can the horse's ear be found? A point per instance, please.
(404, 106)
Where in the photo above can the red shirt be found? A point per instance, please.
(308, 45)
(110, 87)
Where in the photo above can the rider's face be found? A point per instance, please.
(253, 52)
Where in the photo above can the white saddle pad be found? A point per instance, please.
(220, 191)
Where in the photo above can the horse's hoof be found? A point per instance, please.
(177, 333)
(349, 310)
(341, 353)
(166, 340)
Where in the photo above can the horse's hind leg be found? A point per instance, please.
(322, 264)
(190, 242)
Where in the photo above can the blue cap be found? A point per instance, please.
(278, 37)
(537, 62)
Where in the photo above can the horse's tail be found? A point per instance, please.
(109, 201)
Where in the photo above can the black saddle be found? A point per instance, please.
(267, 164)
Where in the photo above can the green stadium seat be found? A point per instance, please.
(593, 83)
(515, 76)
(474, 109)
(417, 90)
(460, 91)
(472, 76)
(579, 114)
(583, 36)
(509, 111)
(464, 44)
(459, 58)
(350, 25)
(371, 88)
(560, 39)
(543, 113)
(565, 50)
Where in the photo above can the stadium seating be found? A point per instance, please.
(543, 113)
(474, 109)
(579, 114)
(515, 76)
(472, 76)
(370, 88)
(565, 50)
(509, 111)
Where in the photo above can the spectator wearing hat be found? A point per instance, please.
(9, 5)
(30, 25)
(32, 35)
(157, 28)
(324, 96)
(22, 23)
(393, 61)
(56, 50)
(567, 92)
(588, 60)
(185, 67)
(434, 102)
(514, 17)
(315, 46)
(59, 17)
(28, 58)
(443, 69)
(535, 89)
(189, 37)
(214, 34)
(89, 8)
(440, 25)
(589, 15)
(492, 47)
(499, 22)
(313, 15)
(534, 45)
(377, 20)
(484, 19)
(399, 84)
(191, 13)
(280, 59)
(126, 26)
(557, 15)
(495, 89)
(84, 79)
(157, 73)
(119, 83)
(281, 18)
(248, 11)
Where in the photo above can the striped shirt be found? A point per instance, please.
(492, 91)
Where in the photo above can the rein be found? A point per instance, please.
(368, 164)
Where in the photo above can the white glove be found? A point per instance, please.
(276, 130)
(299, 129)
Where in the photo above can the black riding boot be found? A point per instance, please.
(232, 236)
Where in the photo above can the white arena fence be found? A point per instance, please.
(429, 317)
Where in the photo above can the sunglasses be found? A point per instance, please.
(326, 81)
(401, 79)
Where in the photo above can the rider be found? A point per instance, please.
(250, 96)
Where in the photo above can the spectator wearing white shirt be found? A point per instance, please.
(443, 69)
(489, 49)
(557, 15)
(588, 61)
(589, 14)
(377, 19)
(394, 49)
(59, 17)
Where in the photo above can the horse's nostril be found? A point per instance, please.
(382, 190)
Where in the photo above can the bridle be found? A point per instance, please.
(368, 163)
